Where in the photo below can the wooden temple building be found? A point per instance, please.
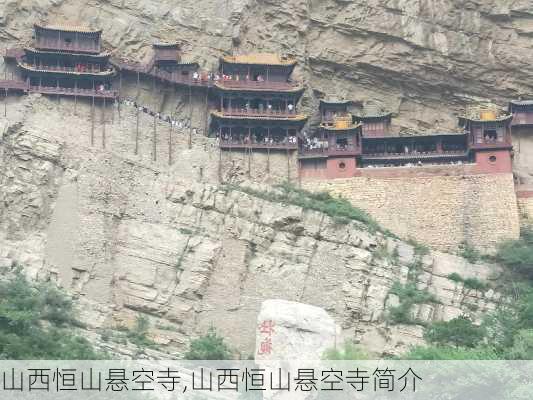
(254, 106)
(64, 60)
(485, 139)
(167, 65)
(522, 112)
(257, 103)
(336, 148)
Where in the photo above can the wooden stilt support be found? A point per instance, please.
(92, 122)
(219, 155)
(138, 83)
(103, 124)
(154, 140)
(299, 173)
(75, 97)
(249, 151)
(206, 112)
(288, 158)
(169, 144)
(5, 102)
(136, 151)
(268, 151)
(190, 116)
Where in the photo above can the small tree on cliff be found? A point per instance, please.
(211, 346)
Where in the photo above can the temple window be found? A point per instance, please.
(342, 143)
(490, 135)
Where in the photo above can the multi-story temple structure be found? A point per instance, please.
(257, 107)
(168, 65)
(522, 112)
(65, 60)
(376, 121)
(254, 105)
(485, 140)
(337, 145)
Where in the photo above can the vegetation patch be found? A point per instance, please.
(469, 253)
(211, 346)
(507, 332)
(469, 283)
(348, 351)
(340, 209)
(408, 296)
(37, 322)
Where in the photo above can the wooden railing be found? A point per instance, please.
(264, 85)
(416, 155)
(55, 68)
(523, 118)
(57, 45)
(73, 91)
(261, 145)
(13, 85)
(308, 152)
(258, 113)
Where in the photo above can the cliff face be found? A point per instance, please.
(127, 235)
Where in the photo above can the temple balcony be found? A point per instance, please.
(522, 118)
(87, 70)
(260, 114)
(180, 79)
(7, 84)
(272, 86)
(492, 145)
(74, 92)
(51, 44)
(415, 156)
(307, 152)
(285, 144)
(14, 53)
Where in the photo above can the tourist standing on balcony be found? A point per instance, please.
(290, 107)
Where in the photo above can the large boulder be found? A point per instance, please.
(287, 330)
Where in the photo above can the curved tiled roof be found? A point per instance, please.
(331, 100)
(373, 110)
(67, 52)
(174, 45)
(68, 28)
(485, 113)
(259, 58)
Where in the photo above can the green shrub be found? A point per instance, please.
(341, 210)
(522, 348)
(454, 276)
(518, 254)
(139, 334)
(348, 351)
(36, 322)
(408, 296)
(476, 284)
(469, 253)
(211, 346)
(450, 353)
(458, 332)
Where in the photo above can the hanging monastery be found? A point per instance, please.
(253, 112)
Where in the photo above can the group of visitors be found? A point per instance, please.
(314, 143)
(179, 124)
(259, 139)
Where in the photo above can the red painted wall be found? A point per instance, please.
(495, 161)
(341, 167)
